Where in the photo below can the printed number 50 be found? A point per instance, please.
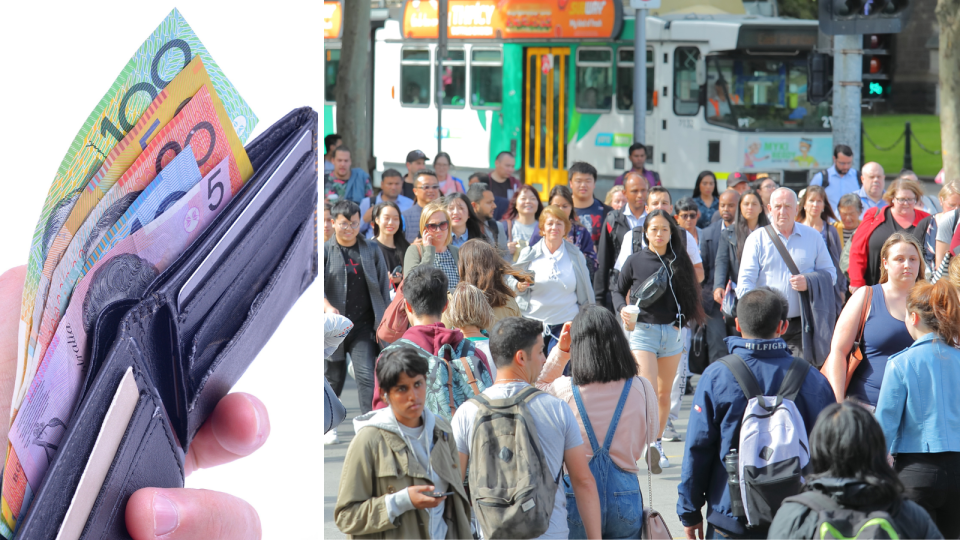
(214, 185)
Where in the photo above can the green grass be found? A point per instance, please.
(884, 130)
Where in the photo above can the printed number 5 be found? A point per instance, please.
(214, 185)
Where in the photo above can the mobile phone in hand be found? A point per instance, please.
(437, 494)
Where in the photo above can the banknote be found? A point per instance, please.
(197, 123)
(158, 60)
(173, 182)
(123, 273)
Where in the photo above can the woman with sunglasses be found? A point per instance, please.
(879, 224)
(433, 247)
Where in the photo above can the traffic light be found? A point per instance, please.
(877, 67)
(819, 77)
(851, 17)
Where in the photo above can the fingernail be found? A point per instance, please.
(261, 432)
(165, 516)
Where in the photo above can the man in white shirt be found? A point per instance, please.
(659, 198)
(516, 345)
(762, 264)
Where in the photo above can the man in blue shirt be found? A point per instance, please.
(391, 184)
(841, 179)
(762, 264)
(718, 407)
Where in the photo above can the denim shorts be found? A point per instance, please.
(660, 339)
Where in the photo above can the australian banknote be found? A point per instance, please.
(123, 273)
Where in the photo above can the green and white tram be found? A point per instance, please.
(724, 92)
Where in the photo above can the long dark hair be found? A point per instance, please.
(599, 351)
(700, 177)
(740, 225)
(566, 193)
(512, 209)
(827, 209)
(475, 227)
(399, 239)
(847, 442)
(482, 266)
(685, 284)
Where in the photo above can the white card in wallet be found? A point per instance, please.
(101, 458)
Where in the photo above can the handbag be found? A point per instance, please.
(855, 356)
(161, 361)
(654, 286)
(729, 306)
(654, 526)
(699, 357)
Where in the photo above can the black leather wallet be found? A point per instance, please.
(185, 342)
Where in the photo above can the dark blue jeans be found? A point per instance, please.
(621, 505)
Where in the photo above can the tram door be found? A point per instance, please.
(545, 117)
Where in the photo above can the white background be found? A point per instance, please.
(59, 58)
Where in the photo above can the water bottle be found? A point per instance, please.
(731, 463)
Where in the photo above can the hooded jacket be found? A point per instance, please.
(796, 520)
(381, 463)
(715, 419)
(431, 338)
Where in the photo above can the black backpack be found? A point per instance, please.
(837, 522)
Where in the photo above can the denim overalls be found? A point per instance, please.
(621, 505)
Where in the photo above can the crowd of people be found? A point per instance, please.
(539, 345)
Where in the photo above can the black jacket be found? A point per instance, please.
(727, 265)
(709, 243)
(796, 520)
(611, 238)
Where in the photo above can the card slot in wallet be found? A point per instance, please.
(291, 277)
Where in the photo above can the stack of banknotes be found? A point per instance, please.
(156, 161)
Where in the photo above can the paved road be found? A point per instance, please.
(664, 485)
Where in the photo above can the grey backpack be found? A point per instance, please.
(511, 487)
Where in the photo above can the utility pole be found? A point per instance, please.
(441, 52)
(640, 76)
(847, 77)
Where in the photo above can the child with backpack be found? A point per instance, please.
(852, 491)
(753, 410)
(515, 441)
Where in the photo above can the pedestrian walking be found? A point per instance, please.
(464, 223)
(520, 221)
(481, 266)
(750, 216)
(426, 190)
(707, 197)
(816, 212)
(435, 247)
(448, 183)
(388, 236)
(578, 235)
(840, 178)
(616, 226)
(471, 314)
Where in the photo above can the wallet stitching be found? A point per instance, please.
(283, 196)
(270, 286)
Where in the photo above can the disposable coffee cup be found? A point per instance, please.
(633, 312)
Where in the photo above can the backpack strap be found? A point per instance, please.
(587, 425)
(745, 378)
(471, 378)
(793, 380)
(608, 440)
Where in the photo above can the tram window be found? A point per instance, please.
(415, 77)
(686, 93)
(454, 78)
(625, 79)
(486, 78)
(330, 67)
(594, 79)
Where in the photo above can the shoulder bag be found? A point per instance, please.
(855, 356)
(654, 526)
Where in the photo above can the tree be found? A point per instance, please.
(948, 16)
(798, 9)
(351, 92)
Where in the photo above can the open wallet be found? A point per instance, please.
(161, 363)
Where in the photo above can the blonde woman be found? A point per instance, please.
(561, 281)
(884, 332)
(615, 198)
(470, 313)
(434, 245)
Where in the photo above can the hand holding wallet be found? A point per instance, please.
(159, 364)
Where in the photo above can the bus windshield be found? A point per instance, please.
(754, 93)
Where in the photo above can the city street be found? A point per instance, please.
(664, 485)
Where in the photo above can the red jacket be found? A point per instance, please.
(860, 249)
(430, 338)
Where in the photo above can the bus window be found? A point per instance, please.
(769, 94)
(625, 79)
(486, 78)
(685, 89)
(415, 77)
(594, 79)
(330, 68)
(454, 78)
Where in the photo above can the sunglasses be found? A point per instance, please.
(437, 227)
(687, 215)
(430, 187)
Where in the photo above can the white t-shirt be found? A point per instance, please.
(557, 430)
(626, 249)
(553, 298)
